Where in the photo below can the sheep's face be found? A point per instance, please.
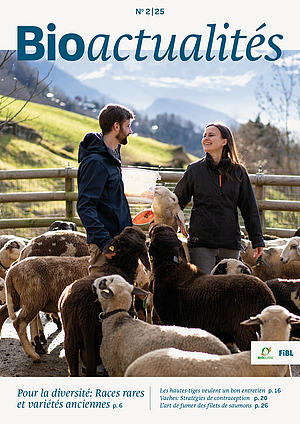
(230, 267)
(274, 321)
(10, 252)
(131, 243)
(163, 200)
(164, 244)
(114, 292)
(291, 251)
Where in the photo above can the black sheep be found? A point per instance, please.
(287, 294)
(79, 308)
(184, 295)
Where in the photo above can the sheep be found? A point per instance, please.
(247, 250)
(184, 295)
(269, 265)
(57, 243)
(63, 225)
(124, 338)
(230, 267)
(53, 243)
(291, 251)
(78, 308)
(165, 210)
(35, 284)
(8, 237)
(9, 253)
(275, 324)
(287, 294)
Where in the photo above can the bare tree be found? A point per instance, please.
(278, 99)
(7, 99)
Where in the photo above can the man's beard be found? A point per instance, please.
(122, 139)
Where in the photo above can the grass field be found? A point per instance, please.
(61, 132)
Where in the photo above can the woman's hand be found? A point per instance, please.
(257, 252)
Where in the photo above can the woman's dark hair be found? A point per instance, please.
(112, 113)
(230, 149)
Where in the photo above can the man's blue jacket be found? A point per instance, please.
(102, 205)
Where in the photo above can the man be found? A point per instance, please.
(102, 205)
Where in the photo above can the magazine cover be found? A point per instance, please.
(200, 104)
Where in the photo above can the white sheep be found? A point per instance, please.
(35, 284)
(165, 210)
(230, 267)
(124, 338)
(291, 251)
(269, 265)
(275, 325)
(9, 253)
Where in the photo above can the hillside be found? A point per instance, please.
(59, 135)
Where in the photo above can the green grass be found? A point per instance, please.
(59, 128)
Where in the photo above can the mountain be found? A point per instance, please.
(200, 116)
(67, 83)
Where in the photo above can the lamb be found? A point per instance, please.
(57, 243)
(80, 312)
(275, 323)
(230, 267)
(287, 294)
(165, 210)
(124, 338)
(291, 251)
(9, 253)
(35, 284)
(184, 295)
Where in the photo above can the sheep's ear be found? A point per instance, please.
(111, 247)
(144, 257)
(143, 217)
(252, 321)
(139, 292)
(221, 269)
(298, 250)
(106, 293)
(181, 223)
(293, 319)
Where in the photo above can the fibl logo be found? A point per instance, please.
(265, 353)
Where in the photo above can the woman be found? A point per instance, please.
(219, 185)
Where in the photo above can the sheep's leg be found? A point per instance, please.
(37, 334)
(20, 324)
(288, 372)
(3, 316)
(72, 357)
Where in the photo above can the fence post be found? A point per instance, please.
(260, 194)
(69, 187)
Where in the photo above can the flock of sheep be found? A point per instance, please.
(189, 323)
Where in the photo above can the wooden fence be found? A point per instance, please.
(69, 195)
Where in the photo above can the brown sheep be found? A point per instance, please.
(35, 284)
(80, 312)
